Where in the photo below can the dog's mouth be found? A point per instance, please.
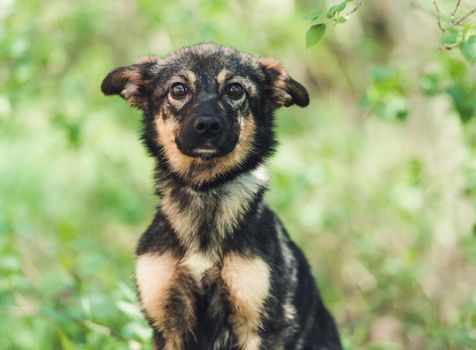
(205, 152)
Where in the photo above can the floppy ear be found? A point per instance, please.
(133, 83)
(285, 91)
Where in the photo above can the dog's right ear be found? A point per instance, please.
(133, 83)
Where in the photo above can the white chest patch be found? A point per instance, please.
(197, 264)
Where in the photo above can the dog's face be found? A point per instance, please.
(208, 109)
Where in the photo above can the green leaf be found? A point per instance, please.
(396, 107)
(333, 10)
(468, 49)
(450, 37)
(464, 101)
(322, 20)
(129, 309)
(430, 84)
(314, 34)
(65, 342)
(317, 13)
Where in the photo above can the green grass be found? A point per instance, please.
(384, 209)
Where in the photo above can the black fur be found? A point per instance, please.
(201, 310)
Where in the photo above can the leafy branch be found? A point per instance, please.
(454, 21)
(455, 34)
(321, 18)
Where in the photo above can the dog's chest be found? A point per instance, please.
(233, 272)
(231, 290)
(197, 264)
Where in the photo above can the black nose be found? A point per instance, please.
(207, 125)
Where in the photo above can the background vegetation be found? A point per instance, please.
(376, 180)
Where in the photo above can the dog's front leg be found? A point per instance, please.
(166, 292)
(247, 279)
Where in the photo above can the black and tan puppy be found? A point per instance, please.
(216, 269)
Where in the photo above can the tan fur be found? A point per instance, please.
(166, 131)
(279, 88)
(154, 275)
(221, 77)
(248, 282)
(199, 170)
(148, 59)
(186, 77)
(197, 264)
(129, 93)
(271, 63)
(235, 201)
(289, 312)
(131, 90)
(184, 223)
(191, 77)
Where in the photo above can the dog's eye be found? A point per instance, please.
(235, 90)
(178, 91)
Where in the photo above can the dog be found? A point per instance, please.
(216, 269)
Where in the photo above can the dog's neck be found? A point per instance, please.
(203, 219)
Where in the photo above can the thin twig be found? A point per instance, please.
(348, 14)
(449, 47)
(438, 16)
(462, 19)
(454, 11)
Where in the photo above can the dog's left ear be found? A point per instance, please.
(285, 91)
(133, 83)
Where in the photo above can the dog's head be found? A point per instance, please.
(208, 109)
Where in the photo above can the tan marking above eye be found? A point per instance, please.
(186, 78)
(221, 77)
(226, 78)
(191, 77)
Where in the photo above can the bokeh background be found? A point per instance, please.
(376, 179)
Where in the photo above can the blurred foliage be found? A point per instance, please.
(321, 18)
(384, 210)
(387, 96)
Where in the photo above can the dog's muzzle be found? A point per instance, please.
(207, 129)
(206, 136)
